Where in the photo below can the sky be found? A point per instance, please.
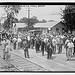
(47, 12)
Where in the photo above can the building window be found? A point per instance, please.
(57, 29)
(51, 29)
(63, 29)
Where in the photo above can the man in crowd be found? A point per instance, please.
(66, 42)
(74, 45)
(32, 42)
(25, 48)
(69, 49)
(14, 42)
(8, 52)
(49, 49)
(42, 46)
(3, 47)
(37, 45)
(60, 41)
(54, 42)
(19, 42)
(45, 40)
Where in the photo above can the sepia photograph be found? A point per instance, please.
(37, 37)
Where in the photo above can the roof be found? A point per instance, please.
(21, 25)
(46, 25)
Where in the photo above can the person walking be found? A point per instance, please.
(25, 48)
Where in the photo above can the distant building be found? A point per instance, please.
(54, 26)
(58, 28)
(19, 27)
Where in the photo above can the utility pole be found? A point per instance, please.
(28, 17)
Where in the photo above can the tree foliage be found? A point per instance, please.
(69, 16)
(33, 20)
(11, 11)
(6, 24)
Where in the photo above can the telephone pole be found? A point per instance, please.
(28, 17)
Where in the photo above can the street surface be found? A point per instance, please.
(37, 62)
(56, 63)
(19, 64)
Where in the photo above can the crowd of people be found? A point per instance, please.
(52, 44)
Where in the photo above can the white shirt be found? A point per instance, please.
(7, 49)
(73, 38)
(28, 38)
(70, 45)
(3, 44)
(45, 40)
(19, 40)
(14, 39)
(8, 42)
(54, 42)
(58, 40)
(66, 41)
(62, 36)
(51, 35)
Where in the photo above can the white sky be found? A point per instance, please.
(48, 12)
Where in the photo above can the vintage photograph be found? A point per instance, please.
(37, 38)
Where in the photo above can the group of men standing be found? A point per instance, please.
(50, 44)
(55, 44)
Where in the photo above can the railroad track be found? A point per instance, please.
(32, 63)
(22, 64)
(11, 66)
(28, 65)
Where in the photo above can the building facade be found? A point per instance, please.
(59, 28)
(50, 27)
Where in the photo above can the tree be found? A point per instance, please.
(43, 21)
(69, 16)
(12, 11)
(32, 20)
(51, 21)
(24, 20)
(6, 24)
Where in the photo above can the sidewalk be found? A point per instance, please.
(56, 63)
